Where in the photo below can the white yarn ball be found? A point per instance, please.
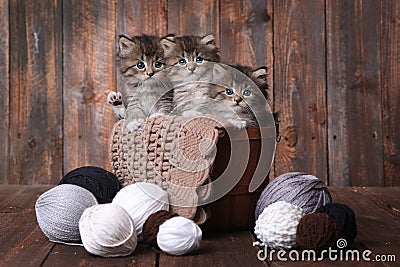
(107, 230)
(178, 236)
(141, 200)
(276, 226)
(59, 209)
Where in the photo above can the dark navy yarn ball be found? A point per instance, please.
(344, 216)
(103, 184)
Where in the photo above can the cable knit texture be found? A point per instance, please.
(173, 152)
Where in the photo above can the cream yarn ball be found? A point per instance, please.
(276, 226)
(107, 230)
(178, 236)
(141, 200)
(59, 209)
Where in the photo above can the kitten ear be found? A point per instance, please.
(218, 71)
(260, 75)
(168, 44)
(209, 41)
(125, 45)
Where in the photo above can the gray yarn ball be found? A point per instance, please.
(300, 189)
(59, 209)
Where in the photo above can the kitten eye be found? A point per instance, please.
(158, 64)
(182, 62)
(140, 65)
(229, 91)
(247, 93)
(199, 59)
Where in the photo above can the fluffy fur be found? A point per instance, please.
(230, 97)
(190, 58)
(145, 92)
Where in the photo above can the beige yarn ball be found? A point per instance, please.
(179, 236)
(107, 230)
(141, 200)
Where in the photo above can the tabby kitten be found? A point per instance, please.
(234, 100)
(140, 60)
(189, 57)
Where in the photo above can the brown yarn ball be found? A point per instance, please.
(153, 222)
(317, 231)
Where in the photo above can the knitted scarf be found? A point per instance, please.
(173, 152)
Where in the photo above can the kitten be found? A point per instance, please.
(140, 60)
(189, 57)
(259, 77)
(232, 98)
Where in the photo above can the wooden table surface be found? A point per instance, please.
(23, 244)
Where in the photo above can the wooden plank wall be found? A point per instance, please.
(334, 69)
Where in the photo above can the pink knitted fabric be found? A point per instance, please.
(173, 152)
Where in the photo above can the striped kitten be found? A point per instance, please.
(140, 60)
(233, 99)
(189, 57)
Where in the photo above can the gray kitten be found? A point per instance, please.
(189, 57)
(231, 98)
(140, 60)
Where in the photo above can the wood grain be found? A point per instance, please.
(390, 64)
(65, 256)
(377, 229)
(299, 86)
(4, 91)
(137, 17)
(194, 18)
(35, 92)
(23, 243)
(354, 93)
(89, 73)
(219, 249)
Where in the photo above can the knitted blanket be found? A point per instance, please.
(175, 153)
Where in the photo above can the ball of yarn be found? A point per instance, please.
(59, 209)
(107, 230)
(344, 216)
(152, 224)
(277, 224)
(103, 184)
(317, 231)
(178, 236)
(141, 200)
(300, 189)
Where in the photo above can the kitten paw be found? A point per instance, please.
(134, 124)
(114, 98)
(155, 115)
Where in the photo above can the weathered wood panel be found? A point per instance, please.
(354, 93)
(194, 17)
(35, 92)
(4, 91)
(335, 79)
(138, 17)
(89, 72)
(299, 86)
(390, 63)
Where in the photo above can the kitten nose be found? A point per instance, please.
(237, 100)
(150, 74)
(191, 67)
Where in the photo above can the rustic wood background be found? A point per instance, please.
(334, 71)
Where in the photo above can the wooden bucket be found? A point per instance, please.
(236, 209)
